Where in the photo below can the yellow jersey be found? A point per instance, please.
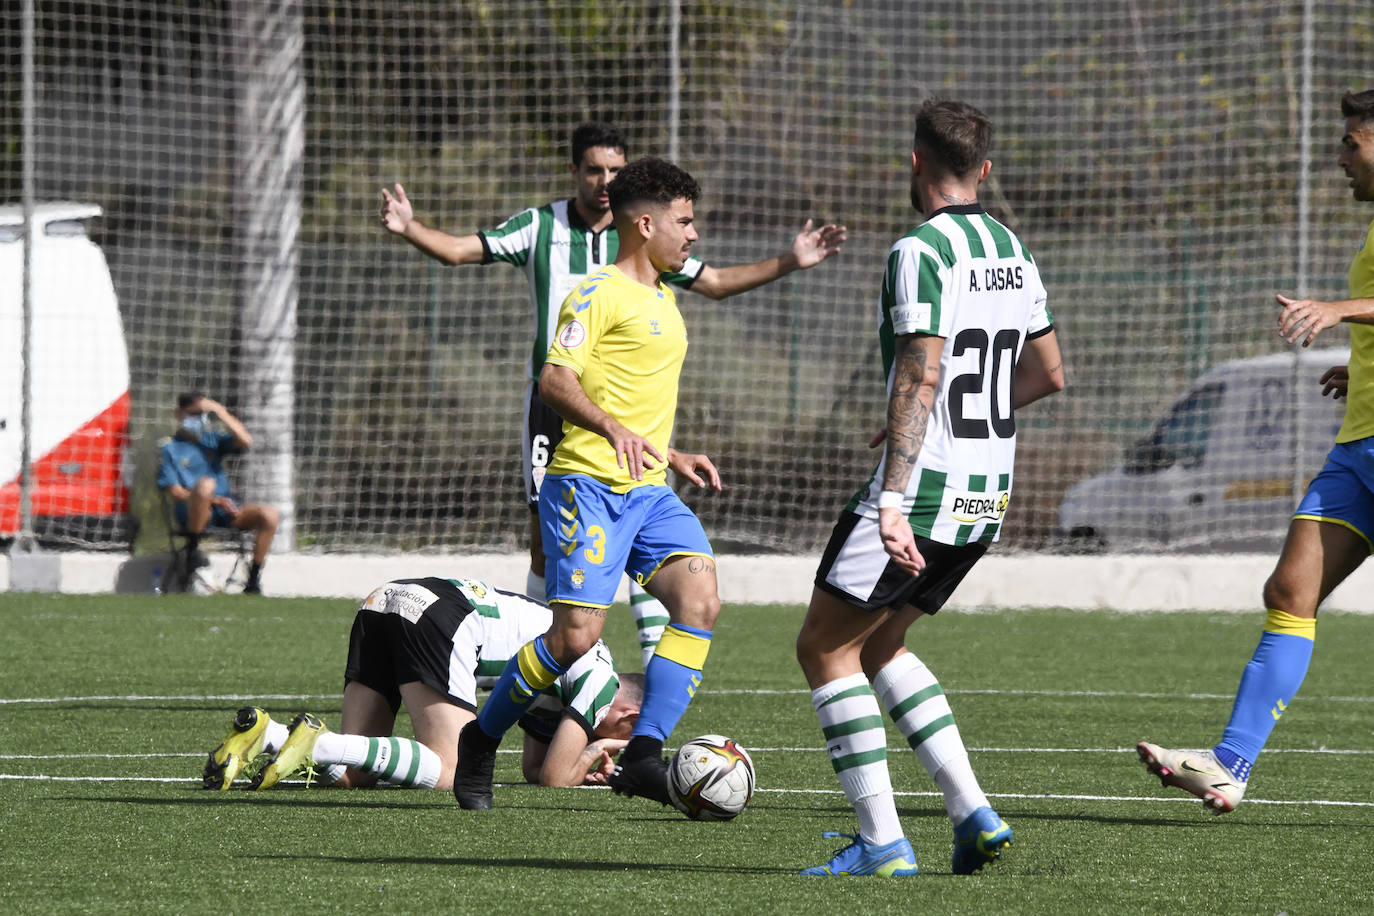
(1359, 395)
(626, 342)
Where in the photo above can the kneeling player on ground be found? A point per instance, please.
(430, 643)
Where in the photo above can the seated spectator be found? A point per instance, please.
(192, 473)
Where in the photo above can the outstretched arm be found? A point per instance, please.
(399, 217)
(809, 248)
(1306, 318)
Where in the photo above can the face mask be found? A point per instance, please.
(194, 424)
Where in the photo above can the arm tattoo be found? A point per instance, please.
(907, 415)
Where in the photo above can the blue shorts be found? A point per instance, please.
(1343, 492)
(219, 518)
(591, 535)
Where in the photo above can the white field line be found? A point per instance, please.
(1111, 799)
(139, 698)
(896, 749)
(248, 698)
(1101, 798)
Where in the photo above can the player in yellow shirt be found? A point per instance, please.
(1332, 529)
(604, 506)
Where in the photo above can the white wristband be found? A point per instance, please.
(890, 499)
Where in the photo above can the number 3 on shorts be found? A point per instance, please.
(596, 550)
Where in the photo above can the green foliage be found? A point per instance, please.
(102, 809)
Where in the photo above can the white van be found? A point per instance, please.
(79, 444)
(1218, 470)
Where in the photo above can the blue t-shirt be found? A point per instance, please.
(186, 462)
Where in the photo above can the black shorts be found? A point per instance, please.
(857, 569)
(385, 650)
(442, 647)
(540, 434)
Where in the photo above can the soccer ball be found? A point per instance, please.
(711, 778)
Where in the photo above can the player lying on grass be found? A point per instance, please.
(430, 643)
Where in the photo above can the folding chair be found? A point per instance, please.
(177, 578)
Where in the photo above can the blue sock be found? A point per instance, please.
(1267, 686)
(1238, 765)
(671, 678)
(530, 671)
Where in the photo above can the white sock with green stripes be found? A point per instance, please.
(917, 704)
(401, 761)
(857, 744)
(650, 619)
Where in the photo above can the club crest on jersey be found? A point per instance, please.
(474, 588)
(578, 579)
(971, 508)
(654, 329)
(573, 335)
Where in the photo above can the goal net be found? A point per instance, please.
(1172, 166)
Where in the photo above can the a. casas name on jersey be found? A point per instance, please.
(996, 278)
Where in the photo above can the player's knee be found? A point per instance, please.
(271, 518)
(205, 487)
(876, 654)
(1284, 592)
(568, 644)
(809, 650)
(698, 611)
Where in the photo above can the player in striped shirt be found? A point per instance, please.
(557, 246)
(1332, 530)
(966, 338)
(432, 643)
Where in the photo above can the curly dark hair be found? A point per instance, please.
(595, 133)
(651, 180)
(1358, 105)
